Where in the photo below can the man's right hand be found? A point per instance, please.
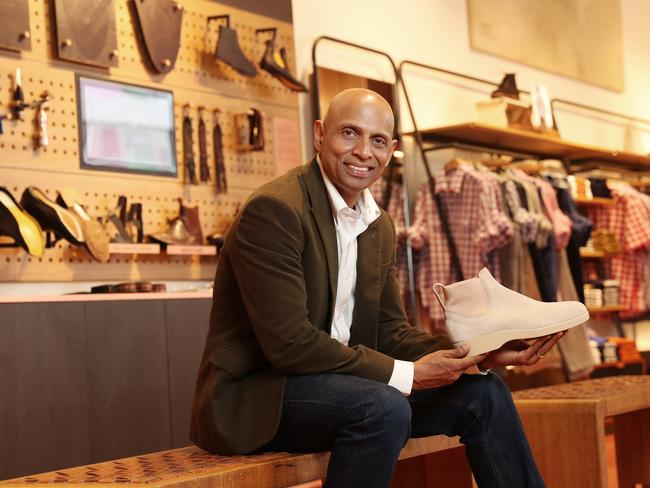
(441, 368)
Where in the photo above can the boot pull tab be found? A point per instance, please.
(441, 295)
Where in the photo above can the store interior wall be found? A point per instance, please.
(435, 32)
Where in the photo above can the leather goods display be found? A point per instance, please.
(16, 223)
(184, 229)
(203, 150)
(274, 61)
(56, 221)
(250, 130)
(96, 239)
(228, 49)
(134, 223)
(219, 161)
(123, 227)
(484, 314)
(85, 32)
(15, 33)
(188, 147)
(160, 25)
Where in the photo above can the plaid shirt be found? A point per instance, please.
(629, 220)
(478, 226)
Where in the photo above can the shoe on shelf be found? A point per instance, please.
(484, 314)
(53, 218)
(185, 229)
(275, 62)
(95, 237)
(16, 223)
(134, 223)
(229, 52)
(115, 222)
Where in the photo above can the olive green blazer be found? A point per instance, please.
(273, 301)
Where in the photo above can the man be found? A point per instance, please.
(309, 348)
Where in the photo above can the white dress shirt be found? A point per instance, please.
(350, 223)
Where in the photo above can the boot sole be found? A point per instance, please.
(66, 219)
(493, 341)
(29, 229)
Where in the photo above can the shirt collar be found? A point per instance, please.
(366, 206)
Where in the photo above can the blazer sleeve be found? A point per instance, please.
(266, 255)
(396, 337)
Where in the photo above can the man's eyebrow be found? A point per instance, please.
(357, 128)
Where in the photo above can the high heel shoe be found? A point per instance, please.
(53, 218)
(95, 237)
(19, 225)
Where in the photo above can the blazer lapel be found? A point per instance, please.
(366, 296)
(321, 210)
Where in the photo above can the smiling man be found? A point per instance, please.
(309, 348)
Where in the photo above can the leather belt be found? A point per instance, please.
(219, 162)
(188, 147)
(203, 151)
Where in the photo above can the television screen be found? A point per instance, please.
(126, 127)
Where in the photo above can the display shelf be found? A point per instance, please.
(530, 143)
(591, 253)
(595, 202)
(606, 309)
(133, 248)
(618, 364)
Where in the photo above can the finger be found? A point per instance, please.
(549, 344)
(461, 364)
(459, 352)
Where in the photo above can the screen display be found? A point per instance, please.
(126, 127)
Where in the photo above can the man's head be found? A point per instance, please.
(355, 140)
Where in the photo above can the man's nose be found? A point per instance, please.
(362, 148)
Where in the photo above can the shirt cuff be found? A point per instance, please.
(402, 377)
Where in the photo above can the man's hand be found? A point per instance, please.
(520, 352)
(442, 367)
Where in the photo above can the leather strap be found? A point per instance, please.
(219, 163)
(203, 151)
(188, 150)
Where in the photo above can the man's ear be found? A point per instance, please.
(318, 135)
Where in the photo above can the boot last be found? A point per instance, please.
(229, 52)
(275, 62)
(19, 225)
(96, 239)
(485, 315)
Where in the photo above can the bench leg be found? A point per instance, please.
(448, 468)
(632, 434)
(567, 438)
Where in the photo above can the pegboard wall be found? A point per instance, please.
(198, 79)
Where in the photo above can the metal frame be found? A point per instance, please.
(317, 114)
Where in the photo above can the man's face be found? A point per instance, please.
(355, 145)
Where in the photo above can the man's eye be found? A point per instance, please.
(347, 132)
(380, 141)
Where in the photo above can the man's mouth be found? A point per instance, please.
(355, 170)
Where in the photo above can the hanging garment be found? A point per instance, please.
(629, 220)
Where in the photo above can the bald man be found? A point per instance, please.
(309, 348)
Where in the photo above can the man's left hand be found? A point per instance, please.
(520, 352)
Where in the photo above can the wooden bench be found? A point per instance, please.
(422, 460)
(565, 425)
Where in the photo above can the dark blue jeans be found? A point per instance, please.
(365, 424)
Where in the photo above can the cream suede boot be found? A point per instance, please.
(485, 314)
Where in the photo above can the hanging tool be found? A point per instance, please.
(18, 99)
(203, 150)
(188, 145)
(219, 163)
(42, 105)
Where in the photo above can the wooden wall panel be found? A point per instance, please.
(44, 388)
(127, 378)
(187, 326)
(197, 78)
